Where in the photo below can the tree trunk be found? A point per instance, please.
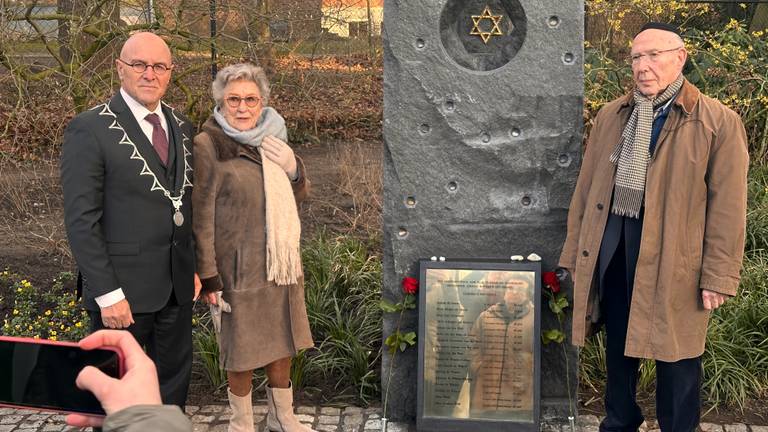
(64, 36)
(760, 18)
(264, 48)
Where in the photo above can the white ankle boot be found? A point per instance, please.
(242, 413)
(280, 417)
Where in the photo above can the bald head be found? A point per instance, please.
(658, 57)
(148, 86)
(144, 41)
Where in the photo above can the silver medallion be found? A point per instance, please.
(178, 218)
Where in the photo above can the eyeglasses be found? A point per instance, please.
(140, 67)
(250, 101)
(653, 56)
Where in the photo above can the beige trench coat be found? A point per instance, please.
(267, 322)
(693, 230)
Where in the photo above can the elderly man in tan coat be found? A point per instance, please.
(656, 231)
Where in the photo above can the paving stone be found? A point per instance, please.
(7, 427)
(258, 418)
(326, 428)
(655, 430)
(58, 418)
(738, 427)
(350, 428)
(374, 416)
(306, 410)
(334, 419)
(191, 409)
(199, 418)
(550, 427)
(759, 428)
(305, 418)
(710, 427)
(11, 419)
(372, 410)
(397, 427)
(330, 411)
(260, 409)
(213, 409)
(6, 411)
(31, 424)
(222, 427)
(353, 419)
(353, 410)
(53, 428)
(26, 412)
(200, 427)
(588, 420)
(373, 425)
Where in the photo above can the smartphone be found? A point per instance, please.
(40, 374)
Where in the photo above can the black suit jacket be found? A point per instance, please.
(118, 219)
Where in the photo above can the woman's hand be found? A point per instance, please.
(280, 153)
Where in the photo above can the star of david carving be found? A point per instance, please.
(495, 20)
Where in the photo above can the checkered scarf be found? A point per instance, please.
(632, 153)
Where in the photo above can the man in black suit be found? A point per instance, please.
(126, 175)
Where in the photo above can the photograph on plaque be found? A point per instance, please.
(480, 341)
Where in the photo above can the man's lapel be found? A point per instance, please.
(177, 141)
(131, 127)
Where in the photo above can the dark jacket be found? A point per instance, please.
(118, 219)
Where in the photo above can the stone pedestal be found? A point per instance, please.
(483, 131)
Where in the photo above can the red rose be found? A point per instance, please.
(410, 285)
(551, 281)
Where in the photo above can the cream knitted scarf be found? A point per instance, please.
(282, 219)
(632, 153)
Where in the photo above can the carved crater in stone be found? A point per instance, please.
(482, 35)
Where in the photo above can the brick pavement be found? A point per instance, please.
(213, 418)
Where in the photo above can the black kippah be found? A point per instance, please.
(660, 26)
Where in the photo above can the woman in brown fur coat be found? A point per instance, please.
(247, 186)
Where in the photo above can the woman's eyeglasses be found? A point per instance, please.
(250, 101)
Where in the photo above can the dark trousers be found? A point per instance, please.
(678, 384)
(167, 337)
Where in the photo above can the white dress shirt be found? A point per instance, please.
(139, 111)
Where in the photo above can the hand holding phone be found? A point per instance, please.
(139, 385)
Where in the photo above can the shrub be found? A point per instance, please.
(53, 314)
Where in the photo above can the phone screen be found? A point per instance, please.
(43, 376)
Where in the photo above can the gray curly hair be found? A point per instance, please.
(240, 71)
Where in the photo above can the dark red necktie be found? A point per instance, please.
(159, 140)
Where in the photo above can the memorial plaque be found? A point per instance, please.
(478, 346)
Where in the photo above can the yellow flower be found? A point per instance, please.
(61, 327)
(53, 338)
(47, 312)
(53, 332)
(78, 324)
(65, 313)
(15, 311)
